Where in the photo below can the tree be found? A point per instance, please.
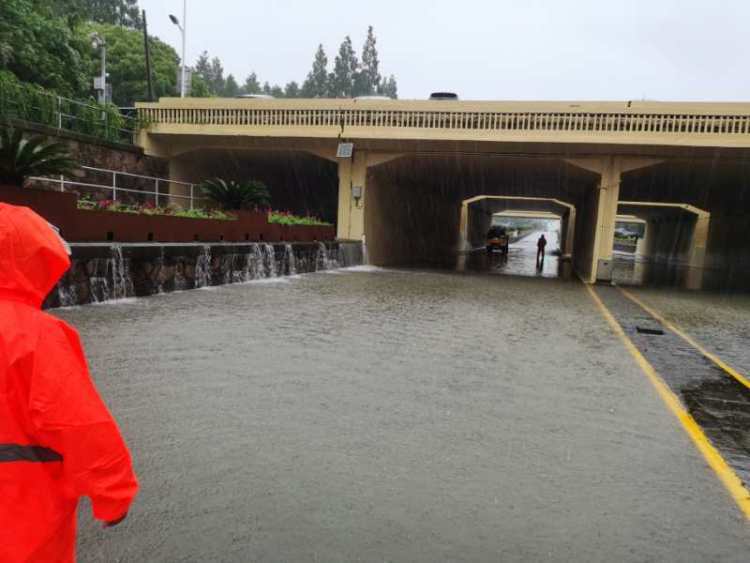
(212, 73)
(40, 48)
(251, 86)
(276, 91)
(291, 90)
(199, 87)
(389, 87)
(316, 84)
(231, 88)
(216, 79)
(115, 12)
(22, 158)
(345, 70)
(232, 196)
(126, 64)
(266, 88)
(367, 81)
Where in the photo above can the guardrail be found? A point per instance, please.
(469, 117)
(29, 103)
(119, 192)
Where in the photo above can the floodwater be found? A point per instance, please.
(373, 415)
(521, 259)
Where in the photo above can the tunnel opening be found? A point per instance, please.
(696, 212)
(523, 223)
(419, 208)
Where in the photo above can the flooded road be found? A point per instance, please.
(373, 415)
(521, 259)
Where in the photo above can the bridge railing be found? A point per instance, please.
(456, 120)
(127, 187)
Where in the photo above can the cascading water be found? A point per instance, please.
(122, 285)
(324, 259)
(102, 273)
(269, 259)
(67, 294)
(291, 261)
(203, 267)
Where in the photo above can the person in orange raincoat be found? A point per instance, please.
(58, 441)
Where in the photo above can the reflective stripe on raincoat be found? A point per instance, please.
(58, 441)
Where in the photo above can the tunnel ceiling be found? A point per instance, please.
(707, 184)
(460, 177)
(498, 205)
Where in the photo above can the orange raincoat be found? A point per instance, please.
(58, 441)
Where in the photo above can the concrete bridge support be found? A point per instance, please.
(595, 263)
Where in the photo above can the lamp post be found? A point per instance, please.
(98, 42)
(182, 30)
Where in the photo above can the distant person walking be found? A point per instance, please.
(58, 441)
(541, 244)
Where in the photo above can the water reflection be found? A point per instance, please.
(521, 259)
(634, 269)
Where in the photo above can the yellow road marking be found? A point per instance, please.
(689, 339)
(726, 475)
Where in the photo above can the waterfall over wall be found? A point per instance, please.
(103, 272)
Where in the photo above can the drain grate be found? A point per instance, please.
(649, 330)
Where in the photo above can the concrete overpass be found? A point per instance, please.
(415, 162)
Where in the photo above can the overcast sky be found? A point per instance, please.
(487, 49)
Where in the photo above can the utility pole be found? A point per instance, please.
(182, 29)
(149, 81)
(97, 41)
(184, 33)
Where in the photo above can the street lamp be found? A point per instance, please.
(100, 83)
(182, 30)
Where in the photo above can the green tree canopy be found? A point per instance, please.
(126, 63)
(316, 84)
(291, 90)
(114, 12)
(389, 87)
(345, 70)
(367, 80)
(40, 48)
(251, 86)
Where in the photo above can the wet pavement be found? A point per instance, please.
(718, 321)
(394, 416)
(718, 402)
(520, 260)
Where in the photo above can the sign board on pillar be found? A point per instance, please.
(345, 150)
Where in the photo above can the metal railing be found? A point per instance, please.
(114, 185)
(35, 105)
(463, 120)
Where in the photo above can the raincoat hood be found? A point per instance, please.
(32, 256)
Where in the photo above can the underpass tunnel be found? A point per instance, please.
(299, 182)
(414, 203)
(718, 186)
(672, 246)
(479, 213)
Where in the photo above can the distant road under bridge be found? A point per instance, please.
(416, 164)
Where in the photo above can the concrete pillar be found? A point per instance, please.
(609, 193)
(463, 229)
(599, 251)
(351, 212)
(697, 251)
(184, 170)
(568, 226)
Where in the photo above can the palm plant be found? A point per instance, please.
(22, 158)
(232, 196)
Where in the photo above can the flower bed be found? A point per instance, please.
(149, 208)
(286, 218)
(95, 225)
